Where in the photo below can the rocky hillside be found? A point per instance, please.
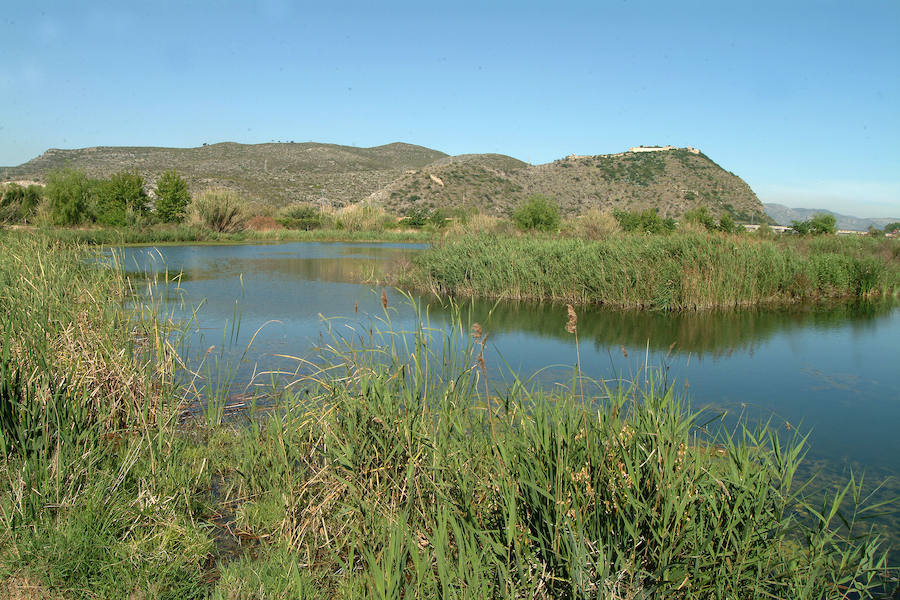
(672, 181)
(274, 173)
(403, 176)
(784, 215)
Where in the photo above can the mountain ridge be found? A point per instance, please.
(403, 176)
(784, 215)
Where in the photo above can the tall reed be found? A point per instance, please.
(674, 272)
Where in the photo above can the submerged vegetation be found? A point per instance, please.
(392, 469)
(668, 272)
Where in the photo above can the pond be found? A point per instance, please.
(831, 371)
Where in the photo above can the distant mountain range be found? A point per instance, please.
(783, 215)
(404, 176)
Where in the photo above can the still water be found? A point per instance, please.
(834, 371)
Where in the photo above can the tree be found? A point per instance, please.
(727, 224)
(647, 221)
(822, 224)
(892, 228)
(120, 197)
(538, 213)
(69, 192)
(172, 197)
(701, 215)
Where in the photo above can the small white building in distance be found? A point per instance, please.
(661, 149)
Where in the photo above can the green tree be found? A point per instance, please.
(892, 227)
(647, 221)
(727, 224)
(172, 197)
(70, 194)
(701, 215)
(822, 224)
(801, 227)
(538, 213)
(120, 198)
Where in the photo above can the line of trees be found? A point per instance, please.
(70, 197)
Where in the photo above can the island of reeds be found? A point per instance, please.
(393, 469)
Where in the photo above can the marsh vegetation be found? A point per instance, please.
(393, 468)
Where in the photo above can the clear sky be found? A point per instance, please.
(800, 99)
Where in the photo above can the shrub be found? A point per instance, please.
(172, 197)
(220, 210)
(70, 194)
(19, 203)
(437, 218)
(727, 224)
(596, 224)
(539, 213)
(363, 217)
(300, 216)
(647, 221)
(818, 225)
(120, 199)
(701, 216)
(417, 218)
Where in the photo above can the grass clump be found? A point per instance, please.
(220, 210)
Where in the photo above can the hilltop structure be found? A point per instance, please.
(690, 149)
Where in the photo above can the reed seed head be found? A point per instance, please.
(476, 331)
(572, 323)
(383, 298)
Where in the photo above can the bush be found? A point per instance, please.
(596, 224)
(818, 225)
(120, 199)
(70, 194)
(19, 203)
(417, 218)
(701, 216)
(172, 197)
(220, 210)
(300, 216)
(363, 217)
(538, 213)
(647, 221)
(727, 224)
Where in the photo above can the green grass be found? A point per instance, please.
(674, 272)
(393, 470)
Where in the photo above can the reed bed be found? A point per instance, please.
(190, 234)
(389, 467)
(664, 272)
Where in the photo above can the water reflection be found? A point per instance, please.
(829, 370)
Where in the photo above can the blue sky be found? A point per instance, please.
(802, 100)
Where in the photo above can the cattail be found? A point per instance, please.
(476, 331)
(383, 298)
(572, 323)
(624, 351)
(356, 307)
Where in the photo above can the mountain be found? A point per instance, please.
(672, 181)
(784, 215)
(402, 176)
(277, 173)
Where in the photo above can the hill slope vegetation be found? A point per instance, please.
(403, 176)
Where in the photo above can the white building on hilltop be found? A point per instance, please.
(690, 149)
